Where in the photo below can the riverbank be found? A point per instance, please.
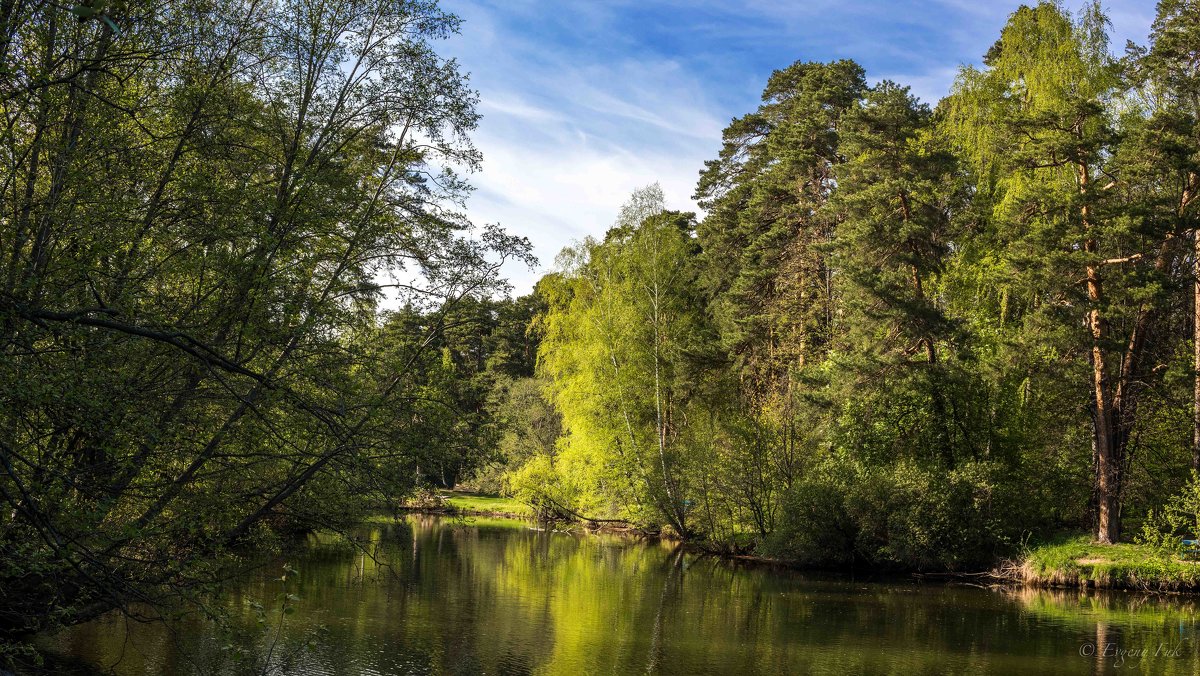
(1073, 561)
(1078, 561)
(465, 503)
(1066, 562)
(470, 504)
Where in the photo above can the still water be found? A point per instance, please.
(428, 595)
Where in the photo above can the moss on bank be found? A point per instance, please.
(1079, 561)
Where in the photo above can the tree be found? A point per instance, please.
(1037, 127)
(766, 271)
(195, 215)
(894, 199)
(615, 347)
(1167, 129)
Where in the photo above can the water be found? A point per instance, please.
(497, 597)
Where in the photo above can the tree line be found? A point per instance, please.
(900, 335)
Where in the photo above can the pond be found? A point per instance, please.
(431, 595)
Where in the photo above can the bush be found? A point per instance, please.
(816, 527)
(1165, 529)
(902, 514)
(538, 483)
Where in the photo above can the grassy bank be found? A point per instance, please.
(473, 503)
(1079, 561)
(462, 502)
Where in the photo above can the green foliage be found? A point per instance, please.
(618, 335)
(1179, 519)
(912, 316)
(844, 511)
(1072, 251)
(546, 487)
(764, 266)
(198, 229)
(817, 527)
(530, 427)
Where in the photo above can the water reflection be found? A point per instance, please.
(432, 596)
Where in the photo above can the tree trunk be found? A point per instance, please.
(1108, 527)
(1107, 421)
(1106, 436)
(1196, 349)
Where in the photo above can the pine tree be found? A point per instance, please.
(894, 197)
(766, 269)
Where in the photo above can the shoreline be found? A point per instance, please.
(1077, 562)
(1073, 563)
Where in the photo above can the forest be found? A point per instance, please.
(900, 335)
(240, 299)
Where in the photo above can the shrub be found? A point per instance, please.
(816, 527)
(901, 514)
(1165, 529)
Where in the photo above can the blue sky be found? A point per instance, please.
(585, 101)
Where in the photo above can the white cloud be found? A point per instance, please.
(564, 187)
(511, 105)
(930, 87)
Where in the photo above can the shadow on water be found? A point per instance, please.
(429, 595)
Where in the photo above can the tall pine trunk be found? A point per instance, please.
(1195, 347)
(1107, 421)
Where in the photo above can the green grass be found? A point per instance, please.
(468, 503)
(473, 503)
(1080, 561)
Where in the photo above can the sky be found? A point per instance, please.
(584, 101)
